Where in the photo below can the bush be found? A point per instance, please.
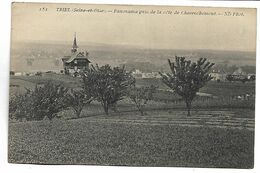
(38, 73)
(16, 107)
(44, 101)
(12, 73)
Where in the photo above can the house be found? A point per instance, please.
(239, 71)
(240, 75)
(218, 75)
(76, 61)
(137, 73)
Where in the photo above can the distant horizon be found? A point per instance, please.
(45, 54)
(86, 43)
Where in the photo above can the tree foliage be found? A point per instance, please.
(107, 85)
(240, 78)
(77, 99)
(44, 101)
(141, 96)
(19, 107)
(186, 77)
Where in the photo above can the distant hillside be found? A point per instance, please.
(47, 56)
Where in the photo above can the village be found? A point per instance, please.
(79, 61)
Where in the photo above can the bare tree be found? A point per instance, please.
(187, 78)
(107, 85)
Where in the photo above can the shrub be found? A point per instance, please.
(16, 102)
(12, 73)
(38, 73)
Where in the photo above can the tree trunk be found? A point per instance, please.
(140, 109)
(188, 106)
(80, 110)
(78, 113)
(142, 112)
(105, 106)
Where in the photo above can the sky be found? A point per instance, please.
(30, 22)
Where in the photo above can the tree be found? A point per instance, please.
(77, 99)
(50, 99)
(229, 78)
(107, 85)
(187, 78)
(141, 96)
(19, 107)
(252, 78)
(44, 101)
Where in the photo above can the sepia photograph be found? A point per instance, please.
(132, 85)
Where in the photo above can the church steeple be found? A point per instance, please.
(74, 46)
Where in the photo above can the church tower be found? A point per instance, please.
(75, 62)
(74, 48)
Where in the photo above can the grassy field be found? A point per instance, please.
(220, 132)
(212, 87)
(223, 92)
(81, 141)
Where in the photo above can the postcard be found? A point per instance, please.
(132, 85)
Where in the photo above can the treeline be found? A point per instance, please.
(104, 84)
(230, 69)
(108, 86)
(149, 67)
